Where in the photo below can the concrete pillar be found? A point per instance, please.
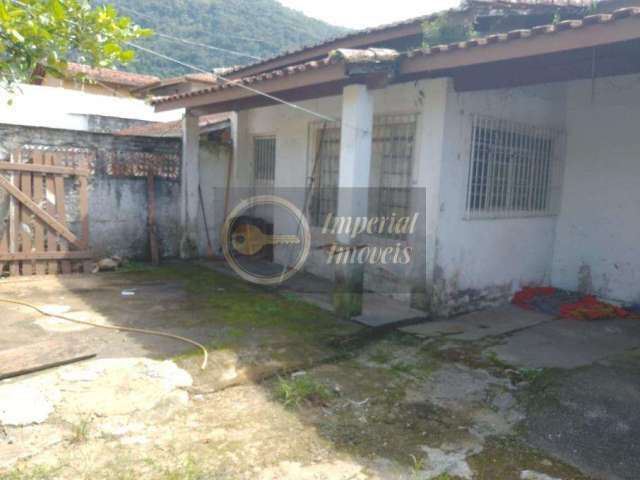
(190, 181)
(242, 174)
(353, 191)
(431, 150)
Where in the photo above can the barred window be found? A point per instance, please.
(326, 165)
(393, 143)
(392, 165)
(264, 168)
(511, 169)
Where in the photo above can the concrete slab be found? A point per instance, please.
(568, 343)
(478, 325)
(378, 310)
(382, 311)
(589, 418)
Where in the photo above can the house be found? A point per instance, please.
(521, 146)
(101, 81)
(175, 85)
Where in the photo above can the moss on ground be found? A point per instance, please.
(240, 309)
(506, 457)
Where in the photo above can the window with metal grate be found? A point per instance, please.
(264, 167)
(511, 169)
(392, 161)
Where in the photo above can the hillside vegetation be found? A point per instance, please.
(260, 28)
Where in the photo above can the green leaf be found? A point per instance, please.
(16, 35)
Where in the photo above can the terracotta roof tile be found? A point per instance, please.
(437, 49)
(114, 77)
(170, 129)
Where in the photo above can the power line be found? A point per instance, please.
(234, 82)
(211, 47)
(148, 17)
(224, 79)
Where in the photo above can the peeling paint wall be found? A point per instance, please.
(214, 164)
(598, 234)
(294, 159)
(117, 206)
(482, 262)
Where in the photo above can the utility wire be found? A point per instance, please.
(148, 17)
(237, 83)
(210, 47)
(229, 81)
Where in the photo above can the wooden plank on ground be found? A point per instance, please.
(39, 225)
(31, 168)
(58, 181)
(52, 239)
(41, 356)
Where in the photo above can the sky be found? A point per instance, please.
(362, 14)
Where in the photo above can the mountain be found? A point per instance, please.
(259, 28)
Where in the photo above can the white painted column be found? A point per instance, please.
(355, 151)
(431, 149)
(190, 181)
(353, 190)
(242, 151)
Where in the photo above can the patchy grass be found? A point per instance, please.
(31, 473)
(80, 431)
(190, 469)
(381, 356)
(418, 465)
(507, 457)
(531, 375)
(240, 307)
(302, 390)
(493, 358)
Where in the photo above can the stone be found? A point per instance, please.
(338, 470)
(454, 463)
(108, 265)
(531, 475)
(23, 404)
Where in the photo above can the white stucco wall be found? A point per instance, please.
(598, 230)
(53, 107)
(481, 261)
(294, 157)
(214, 164)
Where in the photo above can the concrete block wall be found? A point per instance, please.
(117, 206)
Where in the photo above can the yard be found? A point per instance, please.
(293, 393)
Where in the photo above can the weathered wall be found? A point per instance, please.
(294, 159)
(482, 261)
(117, 206)
(214, 162)
(597, 247)
(474, 262)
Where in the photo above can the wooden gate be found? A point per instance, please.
(47, 189)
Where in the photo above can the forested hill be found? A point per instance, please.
(261, 28)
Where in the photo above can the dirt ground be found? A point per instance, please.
(290, 392)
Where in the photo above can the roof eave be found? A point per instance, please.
(280, 84)
(544, 40)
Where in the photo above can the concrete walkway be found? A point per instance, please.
(585, 395)
(378, 310)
